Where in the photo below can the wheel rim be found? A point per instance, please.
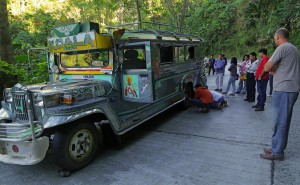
(81, 145)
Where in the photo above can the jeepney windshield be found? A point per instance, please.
(95, 58)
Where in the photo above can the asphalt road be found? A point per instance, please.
(184, 148)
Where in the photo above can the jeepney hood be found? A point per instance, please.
(70, 86)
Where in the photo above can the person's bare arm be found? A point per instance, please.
(268, 67)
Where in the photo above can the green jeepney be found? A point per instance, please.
(101, 85)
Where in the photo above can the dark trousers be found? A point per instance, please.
(270, 84)
(250, 87)
(211, 68)
(262, 92)
(198, 103)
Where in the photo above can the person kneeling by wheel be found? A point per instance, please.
(202, 98)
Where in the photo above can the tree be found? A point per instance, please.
(178, 9)
(6, 50)
(138, 9)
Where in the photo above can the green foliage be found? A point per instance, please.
(21, 71)
(214, 23)
(234, 27)
(13, 70)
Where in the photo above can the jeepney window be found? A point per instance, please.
(191, 52)
(95, 58)
(166, 54)
(179, 53)
(134, 58)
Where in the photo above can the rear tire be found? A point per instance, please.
(75, 145)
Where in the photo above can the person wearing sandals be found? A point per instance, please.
(233, 76)
(202, 98)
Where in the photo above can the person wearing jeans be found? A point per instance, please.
(243, 76)
(220, 69)
(283, 103)
(233, 76)
(285, 63)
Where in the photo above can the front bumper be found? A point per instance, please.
(20, 143)
(24, 152)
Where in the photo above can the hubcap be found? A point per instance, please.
(81, 145)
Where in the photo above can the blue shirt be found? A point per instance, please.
(220, 66)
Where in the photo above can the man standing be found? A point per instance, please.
(250, 85)
(220, 70)
(285, 62)
(211, 65)
(261, 78)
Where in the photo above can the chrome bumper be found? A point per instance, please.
(20, 143)
(24, 153)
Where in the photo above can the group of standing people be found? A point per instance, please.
(284, 69)
(251, 77)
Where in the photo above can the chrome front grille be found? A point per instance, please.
(19, 105)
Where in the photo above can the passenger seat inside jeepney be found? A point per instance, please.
(131, 60)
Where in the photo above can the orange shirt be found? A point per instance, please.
(204, 95)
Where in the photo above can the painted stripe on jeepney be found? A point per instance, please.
(89, 76)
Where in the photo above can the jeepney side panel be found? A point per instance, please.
(172, 76)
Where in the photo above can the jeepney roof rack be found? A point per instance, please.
(159, 33)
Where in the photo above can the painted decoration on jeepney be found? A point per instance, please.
(66, 27)
(148, 55)
(89, 77)
(82, 41)
(131, 87)
(67, 30)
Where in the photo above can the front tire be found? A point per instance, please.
(75, 145)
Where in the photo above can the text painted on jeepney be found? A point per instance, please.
(72, 42)
(97, 89)
(89, 76)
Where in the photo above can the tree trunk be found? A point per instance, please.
(182, 17)
(6, 49)
(138, 13)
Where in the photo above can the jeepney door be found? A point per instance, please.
(136, 72)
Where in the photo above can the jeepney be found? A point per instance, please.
(119, 80)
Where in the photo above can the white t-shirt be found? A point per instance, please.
(216, 95)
